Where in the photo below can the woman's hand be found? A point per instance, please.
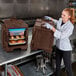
(49, 26)
(47, 18)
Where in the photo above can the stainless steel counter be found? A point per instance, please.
(6, 58)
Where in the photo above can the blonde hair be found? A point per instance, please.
(70, 12)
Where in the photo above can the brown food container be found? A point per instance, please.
(42, 38)
(13, 24)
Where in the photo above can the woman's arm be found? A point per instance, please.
(52, 19)
(61, 35)
(53, 29)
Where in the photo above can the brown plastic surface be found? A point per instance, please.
(42, 38)
(12, 23)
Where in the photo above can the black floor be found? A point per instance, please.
(63, 73)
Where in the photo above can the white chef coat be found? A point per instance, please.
(62, 35)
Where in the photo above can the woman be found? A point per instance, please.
(62, 33)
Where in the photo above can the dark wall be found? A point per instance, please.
(31, 8)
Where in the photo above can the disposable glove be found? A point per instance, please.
(47, 18)
(48, 26)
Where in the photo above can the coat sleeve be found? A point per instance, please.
(65, 34)
(55, 21)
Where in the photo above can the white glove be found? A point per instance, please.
(47, 18)
(48, 26)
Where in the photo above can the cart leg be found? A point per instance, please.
(5, 70)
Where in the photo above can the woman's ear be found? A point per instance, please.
(69, 16)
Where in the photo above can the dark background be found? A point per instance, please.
(28, 9)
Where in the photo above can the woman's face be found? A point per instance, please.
(65, 16)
